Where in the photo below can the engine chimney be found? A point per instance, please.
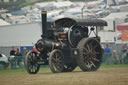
(44, 23)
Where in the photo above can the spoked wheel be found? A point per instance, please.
(56, 61)
(69, 67)
(90, 54)
(31, 64)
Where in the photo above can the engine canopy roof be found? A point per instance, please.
(68, 22)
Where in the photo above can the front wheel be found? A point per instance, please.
(56, 61)
(31, 64)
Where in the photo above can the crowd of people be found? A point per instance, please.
(16, 56)
(112, 57)
(16, 53)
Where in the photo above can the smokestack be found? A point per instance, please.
(44, 23)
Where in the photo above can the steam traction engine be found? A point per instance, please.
(66, 44)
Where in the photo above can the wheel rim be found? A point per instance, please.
(92, 54)
(31, 63)
(56, 61)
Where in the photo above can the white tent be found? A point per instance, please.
(20, 35)
(59, 4)
(117, 15)
(2, 22)
(62, 4)
(44, 4)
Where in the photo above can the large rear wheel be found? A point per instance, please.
(31, 64)
(90, 54)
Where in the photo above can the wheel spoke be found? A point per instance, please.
(88, 64)
(91, 43)
(29, 67)
(85, 53)
(53, 59)
(95, 47)
(32, 68)
(56, 55)
(31, 58)
(91, 47)
(35, 67)
(57, 65)
(59, 58)
(88, 48)
(95, 59)
(54, 66)
(85, 58)
(28, 64)
(93, 64)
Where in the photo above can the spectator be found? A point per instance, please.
(126, 59)
(108, 55)
(18, 52)
(115, 57)
(123, 50)
(12, 55)
(25, 51)
(18, 58)
(12, 52)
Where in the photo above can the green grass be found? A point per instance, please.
(42, 69)
(12, 70)
(47, 69)
(114, 66)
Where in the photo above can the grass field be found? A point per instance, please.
(106, 75)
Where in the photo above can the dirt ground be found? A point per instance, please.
(106, 76)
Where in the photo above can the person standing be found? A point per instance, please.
(25, 51)
(108, 55)
(126, 59)
(19, 57)
(12, 55)
(12, 52)
(18, 52)
(124, 51)
(116, 59)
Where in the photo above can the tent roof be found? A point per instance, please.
(2, 22)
